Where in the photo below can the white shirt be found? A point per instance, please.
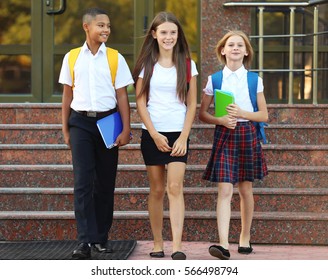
(93, 87)
(166, 111)
(236, 82)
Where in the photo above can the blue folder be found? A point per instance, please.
(110, 127)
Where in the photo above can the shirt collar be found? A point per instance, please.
(102, 47)
(239, 72)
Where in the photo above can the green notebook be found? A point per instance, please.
(221, 100)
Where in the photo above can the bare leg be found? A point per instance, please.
(156, 175)
(223, 212)
(246, 210)
(175, 175)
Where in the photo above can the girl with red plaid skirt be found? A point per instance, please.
(237, 156)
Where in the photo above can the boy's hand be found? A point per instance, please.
(66, 135)
(123, 139)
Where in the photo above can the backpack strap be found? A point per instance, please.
(188, 70)
(252, 79)
(72, 57)
(252, 88)
(112, 57)
(188, 62)
(217, 81)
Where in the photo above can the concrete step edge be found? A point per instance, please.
(187, 190)
(24, 105)
(141, 167)
(56, 126)
(57, 215)
(288, 147)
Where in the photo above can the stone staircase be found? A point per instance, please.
(36, 182)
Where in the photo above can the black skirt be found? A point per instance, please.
(153, 156)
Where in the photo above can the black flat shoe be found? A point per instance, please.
(101, 248)
(159, 254)
(82, 252)
(245, 250)
(219, 252)
(178, 256)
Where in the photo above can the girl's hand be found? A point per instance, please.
(234, 111)
(179, 148)
(229, 121)
(161, 142)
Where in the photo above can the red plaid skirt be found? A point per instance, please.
(236, 156)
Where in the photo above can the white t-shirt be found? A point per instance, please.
(236, 82)
(166, 111)
(94, 89)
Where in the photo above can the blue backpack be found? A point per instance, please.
(252, 88)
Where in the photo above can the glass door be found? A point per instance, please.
(35, 36)
(16, 44)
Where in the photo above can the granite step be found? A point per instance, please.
(196, 199)
(50, 113)
(313, 155)
(267, 227)
(130, 176)
(290, 204)
(281, 134)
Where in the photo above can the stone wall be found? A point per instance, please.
(216, 20)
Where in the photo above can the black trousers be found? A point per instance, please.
(94, 168)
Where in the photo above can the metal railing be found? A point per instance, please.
(261, 6)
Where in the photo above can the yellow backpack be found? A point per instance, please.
(112, 56)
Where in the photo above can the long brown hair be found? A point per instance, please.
(149, 54)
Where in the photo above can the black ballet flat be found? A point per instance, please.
(159, 254)
(178, 256)
(245, 250)
(219, 252)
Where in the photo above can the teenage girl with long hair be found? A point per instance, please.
(166, 102)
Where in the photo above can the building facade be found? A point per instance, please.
(36, 34)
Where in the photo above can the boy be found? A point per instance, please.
(88, 97)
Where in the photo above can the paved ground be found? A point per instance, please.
(199, 251)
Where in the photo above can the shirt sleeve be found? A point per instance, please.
(194, 71)
(208, 90)
(260, 86)
(65, 75)
(123, 75)
(142, 73)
